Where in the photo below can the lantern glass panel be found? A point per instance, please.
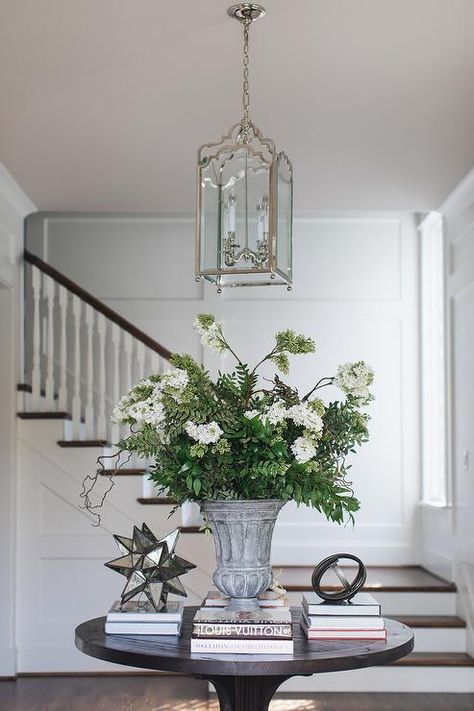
(244, 214)
(209, 220)
(284, 217)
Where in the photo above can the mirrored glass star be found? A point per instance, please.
(150, 566)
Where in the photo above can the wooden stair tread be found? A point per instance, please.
(190, 529)
(25, 388)
(431, 621)
(122, 472)
(44, 415)
(83, 443)
(410, 578)
(436, 659)
(157, 500)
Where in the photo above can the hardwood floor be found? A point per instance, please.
(175, 693)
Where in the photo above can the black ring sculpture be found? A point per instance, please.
(349, 589)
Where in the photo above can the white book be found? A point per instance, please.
(345, 634)
(332, 622)
(138, 628)
(138, 612)
(241, 646)
(363, 604)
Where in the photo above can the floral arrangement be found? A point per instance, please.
(235, 439)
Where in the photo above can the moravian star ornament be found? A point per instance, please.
(150, 565)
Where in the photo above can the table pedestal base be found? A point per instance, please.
(245, 693)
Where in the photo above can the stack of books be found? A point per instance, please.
(216, 598)
(360, 618)
(220, 631)
(138, 618)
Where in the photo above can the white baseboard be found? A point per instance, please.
(7, 662)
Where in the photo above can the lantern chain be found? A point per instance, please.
(246, 123)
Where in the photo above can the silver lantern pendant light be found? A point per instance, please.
(245, 198)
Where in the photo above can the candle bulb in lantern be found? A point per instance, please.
(232, 212)
(260, 221)
(265, 215)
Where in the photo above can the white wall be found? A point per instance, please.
(14, 206)
(355, 292)
(448, 533)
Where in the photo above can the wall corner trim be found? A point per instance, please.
(14, 195)
(459, 198)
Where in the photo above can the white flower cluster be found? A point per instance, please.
(204, 434)
(276, 413)
(303, 449)
(354, 379)
(303, 415)
(175, 379)
(211, 334)
(150, 410)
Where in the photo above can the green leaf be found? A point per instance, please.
(197, 486)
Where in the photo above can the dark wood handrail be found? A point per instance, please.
(96, 304)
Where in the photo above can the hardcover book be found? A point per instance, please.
(361, 604)
(332, 622)
(344, 634)
(148, 628)
(281, 616)
(241, 646)
(134, 611)
(240, 631)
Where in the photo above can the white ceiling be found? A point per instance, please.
(103, 103)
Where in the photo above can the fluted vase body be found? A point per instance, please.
(243, 532)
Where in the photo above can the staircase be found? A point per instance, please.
(420, 600)
(80, 357)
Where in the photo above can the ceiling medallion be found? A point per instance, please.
(245, 198)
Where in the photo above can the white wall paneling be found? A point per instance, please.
(61, 578)
(355, 292)
(448, 533)
(14, 206)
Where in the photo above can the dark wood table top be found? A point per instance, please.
(168, 653)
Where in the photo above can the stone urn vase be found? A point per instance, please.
(243, 532)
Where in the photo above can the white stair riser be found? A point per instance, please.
(440, 639)
(388, 679)
(407, 603)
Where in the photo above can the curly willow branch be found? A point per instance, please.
(89, 483)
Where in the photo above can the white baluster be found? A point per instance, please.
(48, 290)
(36, 355)
(62, 367)
(140, 359)
(128, 363)
(76, 399)
(115, 362)
(101, 384)
(156, 362)
(89, 408)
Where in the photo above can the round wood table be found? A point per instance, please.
(243, 682)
